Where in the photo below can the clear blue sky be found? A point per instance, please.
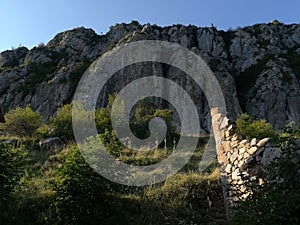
(30, 22)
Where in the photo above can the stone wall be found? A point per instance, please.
(210, 202)
(238, 156)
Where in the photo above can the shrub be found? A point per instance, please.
(22, 122)
(250, 128)
(111, 142)
(142, 116)
(103, 117)
(61, 124)
(10, 174)
(80, 191)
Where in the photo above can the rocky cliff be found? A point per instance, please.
(258, 67)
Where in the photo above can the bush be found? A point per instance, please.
(80, 191)
(111, 142)
(10, 174)
(250, 128)
(61, 124)
(22, 122)
(142, 116)
(103, 117)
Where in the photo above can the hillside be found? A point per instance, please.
(256, 66)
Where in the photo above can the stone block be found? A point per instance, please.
(252, 150)
(224, 123)
(228, 168)
(242, 150)
(234, 156)
(262, 142)
(253, 142)
(244, 142)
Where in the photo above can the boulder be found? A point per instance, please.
(270, 154)
(228, 168)
(11, 58)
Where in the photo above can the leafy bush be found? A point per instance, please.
(142, 116)
(250, 128)
(79, 192)
(103, 117)
(61, 124)
(277, 201)
(22, 122)
(111, 142)
(10, 174)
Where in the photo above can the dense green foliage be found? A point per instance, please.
(79, 192)
(103, 117)
(84, 197)
(22, 122)
(11, 161)
(61, 124)
(144, 113)
(250, 128)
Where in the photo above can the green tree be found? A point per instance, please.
(250, 128)
(103, 115)
(79, 192)
(22, 122)
(61, 124)
(142, 116)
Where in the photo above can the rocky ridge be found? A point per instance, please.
(258, 67)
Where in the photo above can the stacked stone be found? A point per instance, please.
(243, 157)
(238, 157)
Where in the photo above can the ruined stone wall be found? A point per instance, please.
(238, 156)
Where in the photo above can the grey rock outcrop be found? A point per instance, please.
(256, 66)
(12, 57)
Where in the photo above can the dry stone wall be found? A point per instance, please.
(238, 156)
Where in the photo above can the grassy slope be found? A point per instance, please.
(172, 201)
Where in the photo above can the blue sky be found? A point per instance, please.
(31, 22)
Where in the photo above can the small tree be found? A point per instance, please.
(61, 124)
(251, 128)
(103, 115)
(79, 192)
(22, 122)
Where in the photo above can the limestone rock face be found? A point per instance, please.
(257, 68)
(12, 58)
